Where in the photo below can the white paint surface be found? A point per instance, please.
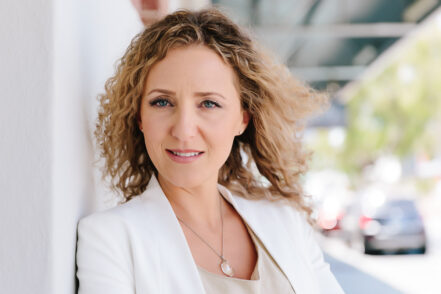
(25, 145)
(55, 56)
(89, 36)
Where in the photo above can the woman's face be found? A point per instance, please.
(190, 114)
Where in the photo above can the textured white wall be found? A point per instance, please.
(54, 59)
(89, 36)
(55, 56)
(25, 145)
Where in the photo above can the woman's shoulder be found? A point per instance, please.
(117, 218)
(149, 211)
(277, 205)
(283, 206)
(105, 248)
(101, 220)
(277, 212)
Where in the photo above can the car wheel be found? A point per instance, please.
(422, 250)
(369, 250)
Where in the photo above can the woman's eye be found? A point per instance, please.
(160, 102)
(210, 104)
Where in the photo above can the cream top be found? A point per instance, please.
(267, 276)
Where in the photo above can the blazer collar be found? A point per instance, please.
(177, 269)
(273, 223)
(174, 248)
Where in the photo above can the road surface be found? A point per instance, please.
(387, 274)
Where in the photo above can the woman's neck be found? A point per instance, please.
(197, 205)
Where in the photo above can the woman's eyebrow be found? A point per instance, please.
(201, 94)
(161, 91)
(208, 94)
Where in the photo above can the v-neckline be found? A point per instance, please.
(255, 275)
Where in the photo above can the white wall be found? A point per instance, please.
(25, 145)
(89, 36)
(55, 56)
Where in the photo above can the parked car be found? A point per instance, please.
(395, 225)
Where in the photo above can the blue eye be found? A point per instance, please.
(210, 104)
(160, 102)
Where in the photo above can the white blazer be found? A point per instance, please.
(139, 247)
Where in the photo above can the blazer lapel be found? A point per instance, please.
(269, 222)
(179, 273)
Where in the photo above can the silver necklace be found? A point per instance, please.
(224, 265)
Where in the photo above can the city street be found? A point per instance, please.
(387, 274)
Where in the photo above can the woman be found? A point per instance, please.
(193, 119)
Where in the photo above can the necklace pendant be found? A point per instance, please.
(226, 268)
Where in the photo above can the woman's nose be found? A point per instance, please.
(184, 124)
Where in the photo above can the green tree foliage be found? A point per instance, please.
(398, 111)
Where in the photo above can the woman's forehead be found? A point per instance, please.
(192, 65)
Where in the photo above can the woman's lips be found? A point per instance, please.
(184, 156)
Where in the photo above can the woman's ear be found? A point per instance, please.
(139, 121)
(245, 121)
(246, 117)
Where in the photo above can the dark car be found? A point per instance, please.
(395, 225)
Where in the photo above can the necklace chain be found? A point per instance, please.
(221, 256)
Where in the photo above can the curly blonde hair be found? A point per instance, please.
(277, 103)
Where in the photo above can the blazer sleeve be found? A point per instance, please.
(103, 256)
(326, 280)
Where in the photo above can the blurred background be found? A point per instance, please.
(375, 176)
